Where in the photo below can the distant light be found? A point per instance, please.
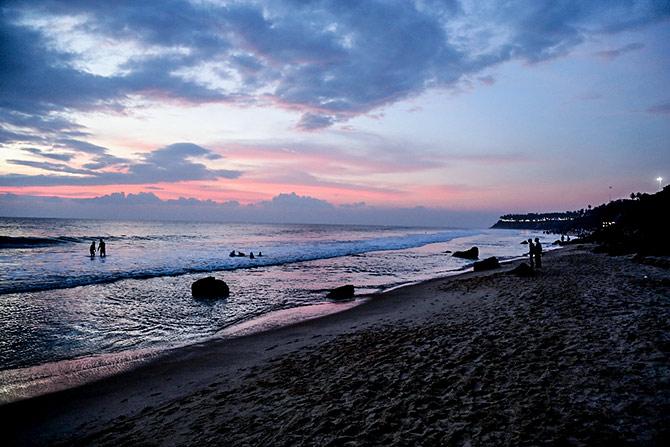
(659, 180)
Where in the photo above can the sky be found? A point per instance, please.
(436, 112)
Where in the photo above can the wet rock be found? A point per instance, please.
(523, 269)
(210, 287)
(486, 264)
(472, 253)
(342, 293)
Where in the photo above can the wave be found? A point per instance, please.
(193, 261)
(13, 242)
(30, 242)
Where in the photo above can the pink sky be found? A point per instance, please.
(429, 108)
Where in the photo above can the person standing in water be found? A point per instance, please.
(538, 253)
(531, 252)
(91, 249)
(101, 248)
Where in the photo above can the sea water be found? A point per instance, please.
(57, 303)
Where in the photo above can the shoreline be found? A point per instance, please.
(150, 392)
(43, 379)
(63, 375)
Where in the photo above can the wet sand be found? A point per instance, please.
(578, 355)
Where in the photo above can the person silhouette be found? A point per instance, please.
(538, 253)
(531, 252)
(91, 249)
(251, 255)
(260, 254)
(101, 248)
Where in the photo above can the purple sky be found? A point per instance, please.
(425, 112)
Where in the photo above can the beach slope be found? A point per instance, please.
(579, 355)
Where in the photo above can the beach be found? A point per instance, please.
(577, 355)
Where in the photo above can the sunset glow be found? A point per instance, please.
(392, 104)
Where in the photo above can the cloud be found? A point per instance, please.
(312, 121)
(613, 54)
(487, 80)
(61, 156)
(283, 208)
(327, 60)
(173, 163)
(47, 166)
(292, 201)
(662, 108)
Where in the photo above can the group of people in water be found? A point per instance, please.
(535, 253)
(101, 249)
(239, 254)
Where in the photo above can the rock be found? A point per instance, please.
(448, 251)
(210, 287)
(524, 242)
(523, 269)
(342, 293)
(487, 264)
(472, 253)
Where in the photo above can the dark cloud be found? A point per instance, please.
(82, 146)
(312, 121)
(48, 166)
(61, 156)
(328, 59)
(662, 108)
(613, 54)
(173, 163)
(100, 155)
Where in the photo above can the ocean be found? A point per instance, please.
(59, 304)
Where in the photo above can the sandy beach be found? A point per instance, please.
(578, 355)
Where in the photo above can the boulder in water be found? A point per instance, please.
(472, 253)
(486, 264)
(342, 293)
(210, 287)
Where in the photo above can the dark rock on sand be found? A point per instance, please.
(210, 287)
(342, 293)
(522, 269)
(487, 264)
(472, 253)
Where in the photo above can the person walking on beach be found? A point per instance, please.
(531, 252)
(101, 248)
(538, 253)
(91, 249)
